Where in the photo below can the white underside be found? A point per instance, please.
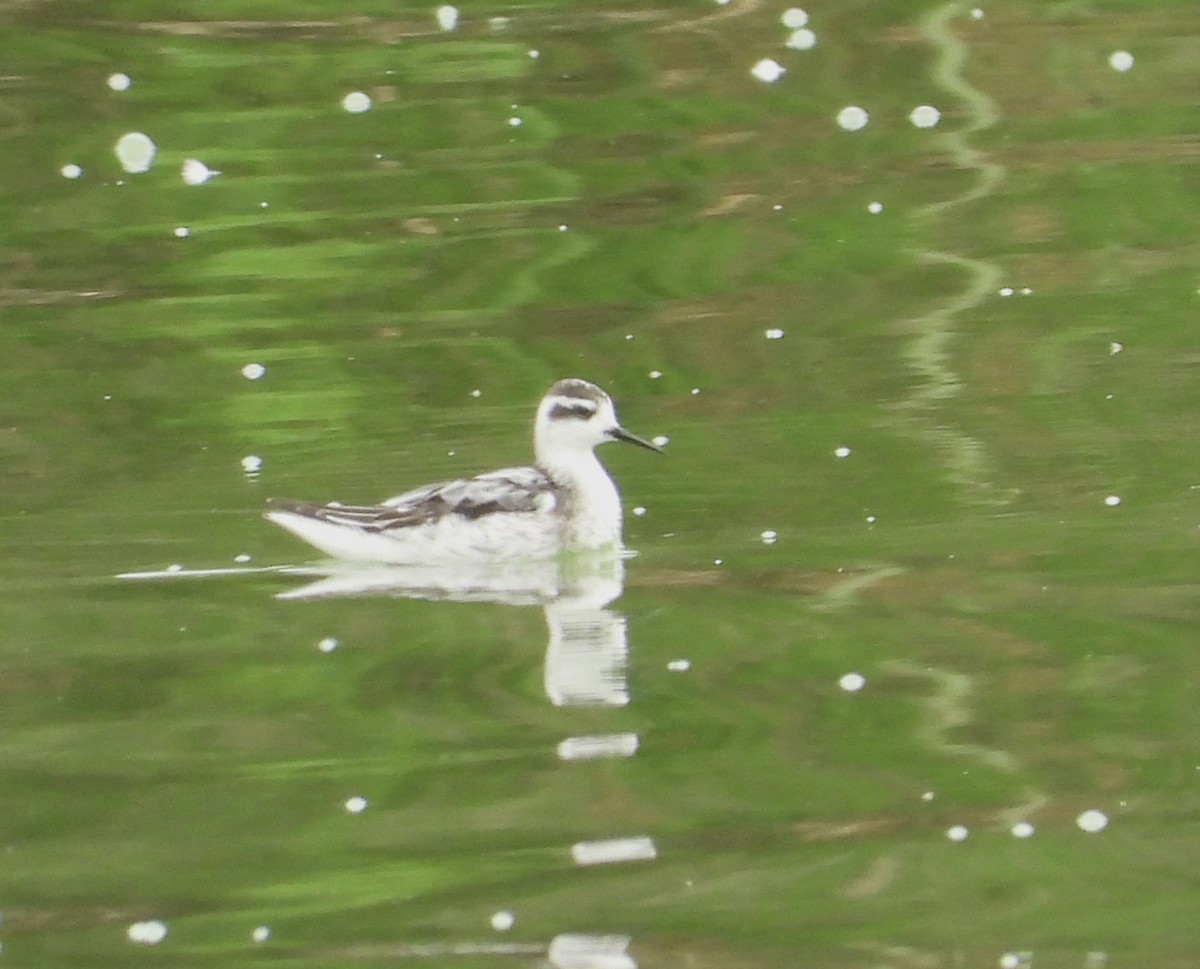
(495, 537)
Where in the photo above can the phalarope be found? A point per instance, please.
(565, 501)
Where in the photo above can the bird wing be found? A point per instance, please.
(507, 490)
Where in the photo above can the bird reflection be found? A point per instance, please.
(586, 663)
(587, 649)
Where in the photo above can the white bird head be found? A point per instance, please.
(573, 418)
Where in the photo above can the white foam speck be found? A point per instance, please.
(195, 172)
(803, 39)
(852, 118)
(1120, 60)
(925, 116)
(1092, 821)
(768, 70)
(135, 151)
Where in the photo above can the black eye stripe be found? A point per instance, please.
(579, 411)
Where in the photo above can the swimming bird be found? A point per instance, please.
(565, 501)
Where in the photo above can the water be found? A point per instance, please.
(934, 463)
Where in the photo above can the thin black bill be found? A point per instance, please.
(620, 434)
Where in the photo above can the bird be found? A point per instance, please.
(564, 502)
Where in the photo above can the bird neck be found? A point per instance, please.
(588, 501)
(577, 470)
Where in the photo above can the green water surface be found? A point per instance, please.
(1006, 553)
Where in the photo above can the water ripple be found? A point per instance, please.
(928, 350)
(947, 709)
